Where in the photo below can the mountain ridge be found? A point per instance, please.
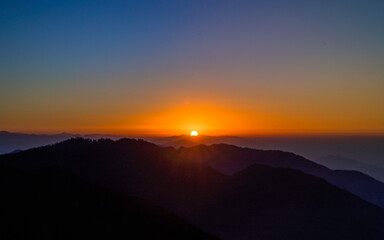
(209, 199)
(337, 162)
(230, 159)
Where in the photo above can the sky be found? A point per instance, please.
(170, 67)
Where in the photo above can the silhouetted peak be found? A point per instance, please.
(16, 151)
(81, 140)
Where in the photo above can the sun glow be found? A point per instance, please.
(194, 133)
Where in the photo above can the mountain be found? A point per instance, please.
(21, 141)
(364, 148)
(188, 141)
(140, 168)
(52, 204)
(340, 162)
(279, 203)
(10, 141)
(367, 149)
(259, 202)
(229, 159)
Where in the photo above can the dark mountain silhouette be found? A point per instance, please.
(369, 149)
(16, 151)
(340, 162)
(189, 141)
(134, 166)
(230, 159)
(258, 203)
(10, 141)
(52, 204)
(279, 203)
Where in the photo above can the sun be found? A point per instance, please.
(194, 133)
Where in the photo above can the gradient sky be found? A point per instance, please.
(168, 67)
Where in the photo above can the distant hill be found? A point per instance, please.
(10, 141)
(188, 141)
(259, 202)
(340, 162)
(230, 159)
(138, 167)
(367, 149)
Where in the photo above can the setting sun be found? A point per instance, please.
(194, 133)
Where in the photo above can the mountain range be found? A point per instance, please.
(365, 149)
(340, 162)
(14, 142)
(229, 159)
(255, 202)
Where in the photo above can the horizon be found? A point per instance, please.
(320, 134)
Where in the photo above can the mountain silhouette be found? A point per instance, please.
(138, 167)
(52, 204)
(280, 203)
(340, 162)
(259, 202)
(189, 141)
(11, 141)
(230, 159)
(364, 148)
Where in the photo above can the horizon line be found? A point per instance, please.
(309, 134)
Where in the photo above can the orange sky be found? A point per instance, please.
(213, 104)
(183, 117)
